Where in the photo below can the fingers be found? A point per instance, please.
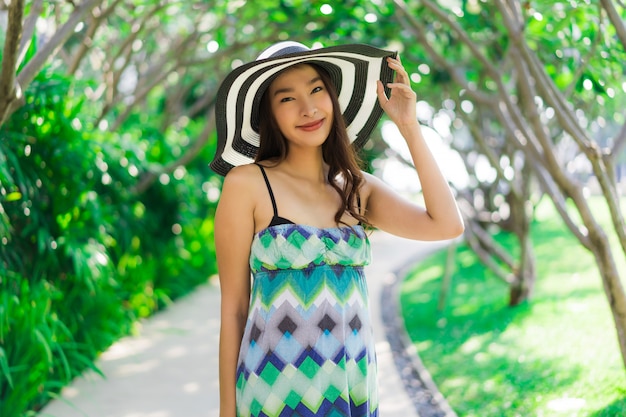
(401, 75)
(380, 92)
(397, 88)
(402, 89)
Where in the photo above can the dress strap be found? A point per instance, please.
(269, 188)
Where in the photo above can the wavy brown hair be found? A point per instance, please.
(337, 151)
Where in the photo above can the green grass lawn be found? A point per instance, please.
(554, 356)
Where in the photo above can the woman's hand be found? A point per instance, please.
(400, 106)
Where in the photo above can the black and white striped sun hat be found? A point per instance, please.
(353, 69)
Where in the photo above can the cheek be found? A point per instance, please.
(283, 119)
(277, 114)
(326, 103)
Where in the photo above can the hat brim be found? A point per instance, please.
(354, 70)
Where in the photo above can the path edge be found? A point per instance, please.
(422, 389)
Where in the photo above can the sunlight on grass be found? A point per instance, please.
(555, 356)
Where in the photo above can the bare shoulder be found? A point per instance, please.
(241, 186)
(243, 178)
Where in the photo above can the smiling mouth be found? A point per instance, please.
(312, 126)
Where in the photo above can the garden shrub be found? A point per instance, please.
(82, 255)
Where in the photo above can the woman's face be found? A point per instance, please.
(301, 106)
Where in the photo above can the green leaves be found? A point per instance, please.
(14, 196)
(81, 256)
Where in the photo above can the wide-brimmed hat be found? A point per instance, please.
(353, 69)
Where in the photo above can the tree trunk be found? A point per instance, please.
(594, 239)
(612, 287)
(9, 104)
(518, 112)
(447, 277)
(522, 289)
(9, 89)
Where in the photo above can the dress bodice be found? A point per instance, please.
(296, 246)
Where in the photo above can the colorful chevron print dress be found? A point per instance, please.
(307, 348)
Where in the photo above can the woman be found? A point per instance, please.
(298, 341)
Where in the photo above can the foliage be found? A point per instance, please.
(82, 257)
(492, 360)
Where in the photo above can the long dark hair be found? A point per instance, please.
(337, 151)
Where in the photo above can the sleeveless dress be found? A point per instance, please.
(307, 348)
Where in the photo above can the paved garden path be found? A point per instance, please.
(170, 368)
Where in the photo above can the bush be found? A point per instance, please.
(82, 256)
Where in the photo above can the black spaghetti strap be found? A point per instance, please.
(276, 220)
(269, 188)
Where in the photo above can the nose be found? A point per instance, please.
(309, 108)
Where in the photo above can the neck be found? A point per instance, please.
(306, 163)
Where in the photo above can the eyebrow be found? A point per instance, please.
(289, 89)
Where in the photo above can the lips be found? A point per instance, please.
(309, 127)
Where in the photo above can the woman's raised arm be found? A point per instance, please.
(440, 218)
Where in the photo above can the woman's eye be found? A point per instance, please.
(317, 89)
(285, 99)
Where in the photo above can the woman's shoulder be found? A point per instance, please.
(243, 177)
(243, 170)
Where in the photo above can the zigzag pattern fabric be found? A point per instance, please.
(307, 348)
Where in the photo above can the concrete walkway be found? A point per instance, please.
(170, 369)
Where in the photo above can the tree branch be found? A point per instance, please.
(584, 62)
(544, 83)
(30, 71)
(613, 202)
(619, 142)
(552, 190)
(111, 71)
(29, 28)
(587, 145)
(493, 248)
(97, 18)
(534, 157)
(519, 130)
(420, 32)
(508, 112)
(56, 42)
(458, 31)
(9, 91)
(616, 20)
(526, 94)
(148, 178)
(485, 256)
(487, 151)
